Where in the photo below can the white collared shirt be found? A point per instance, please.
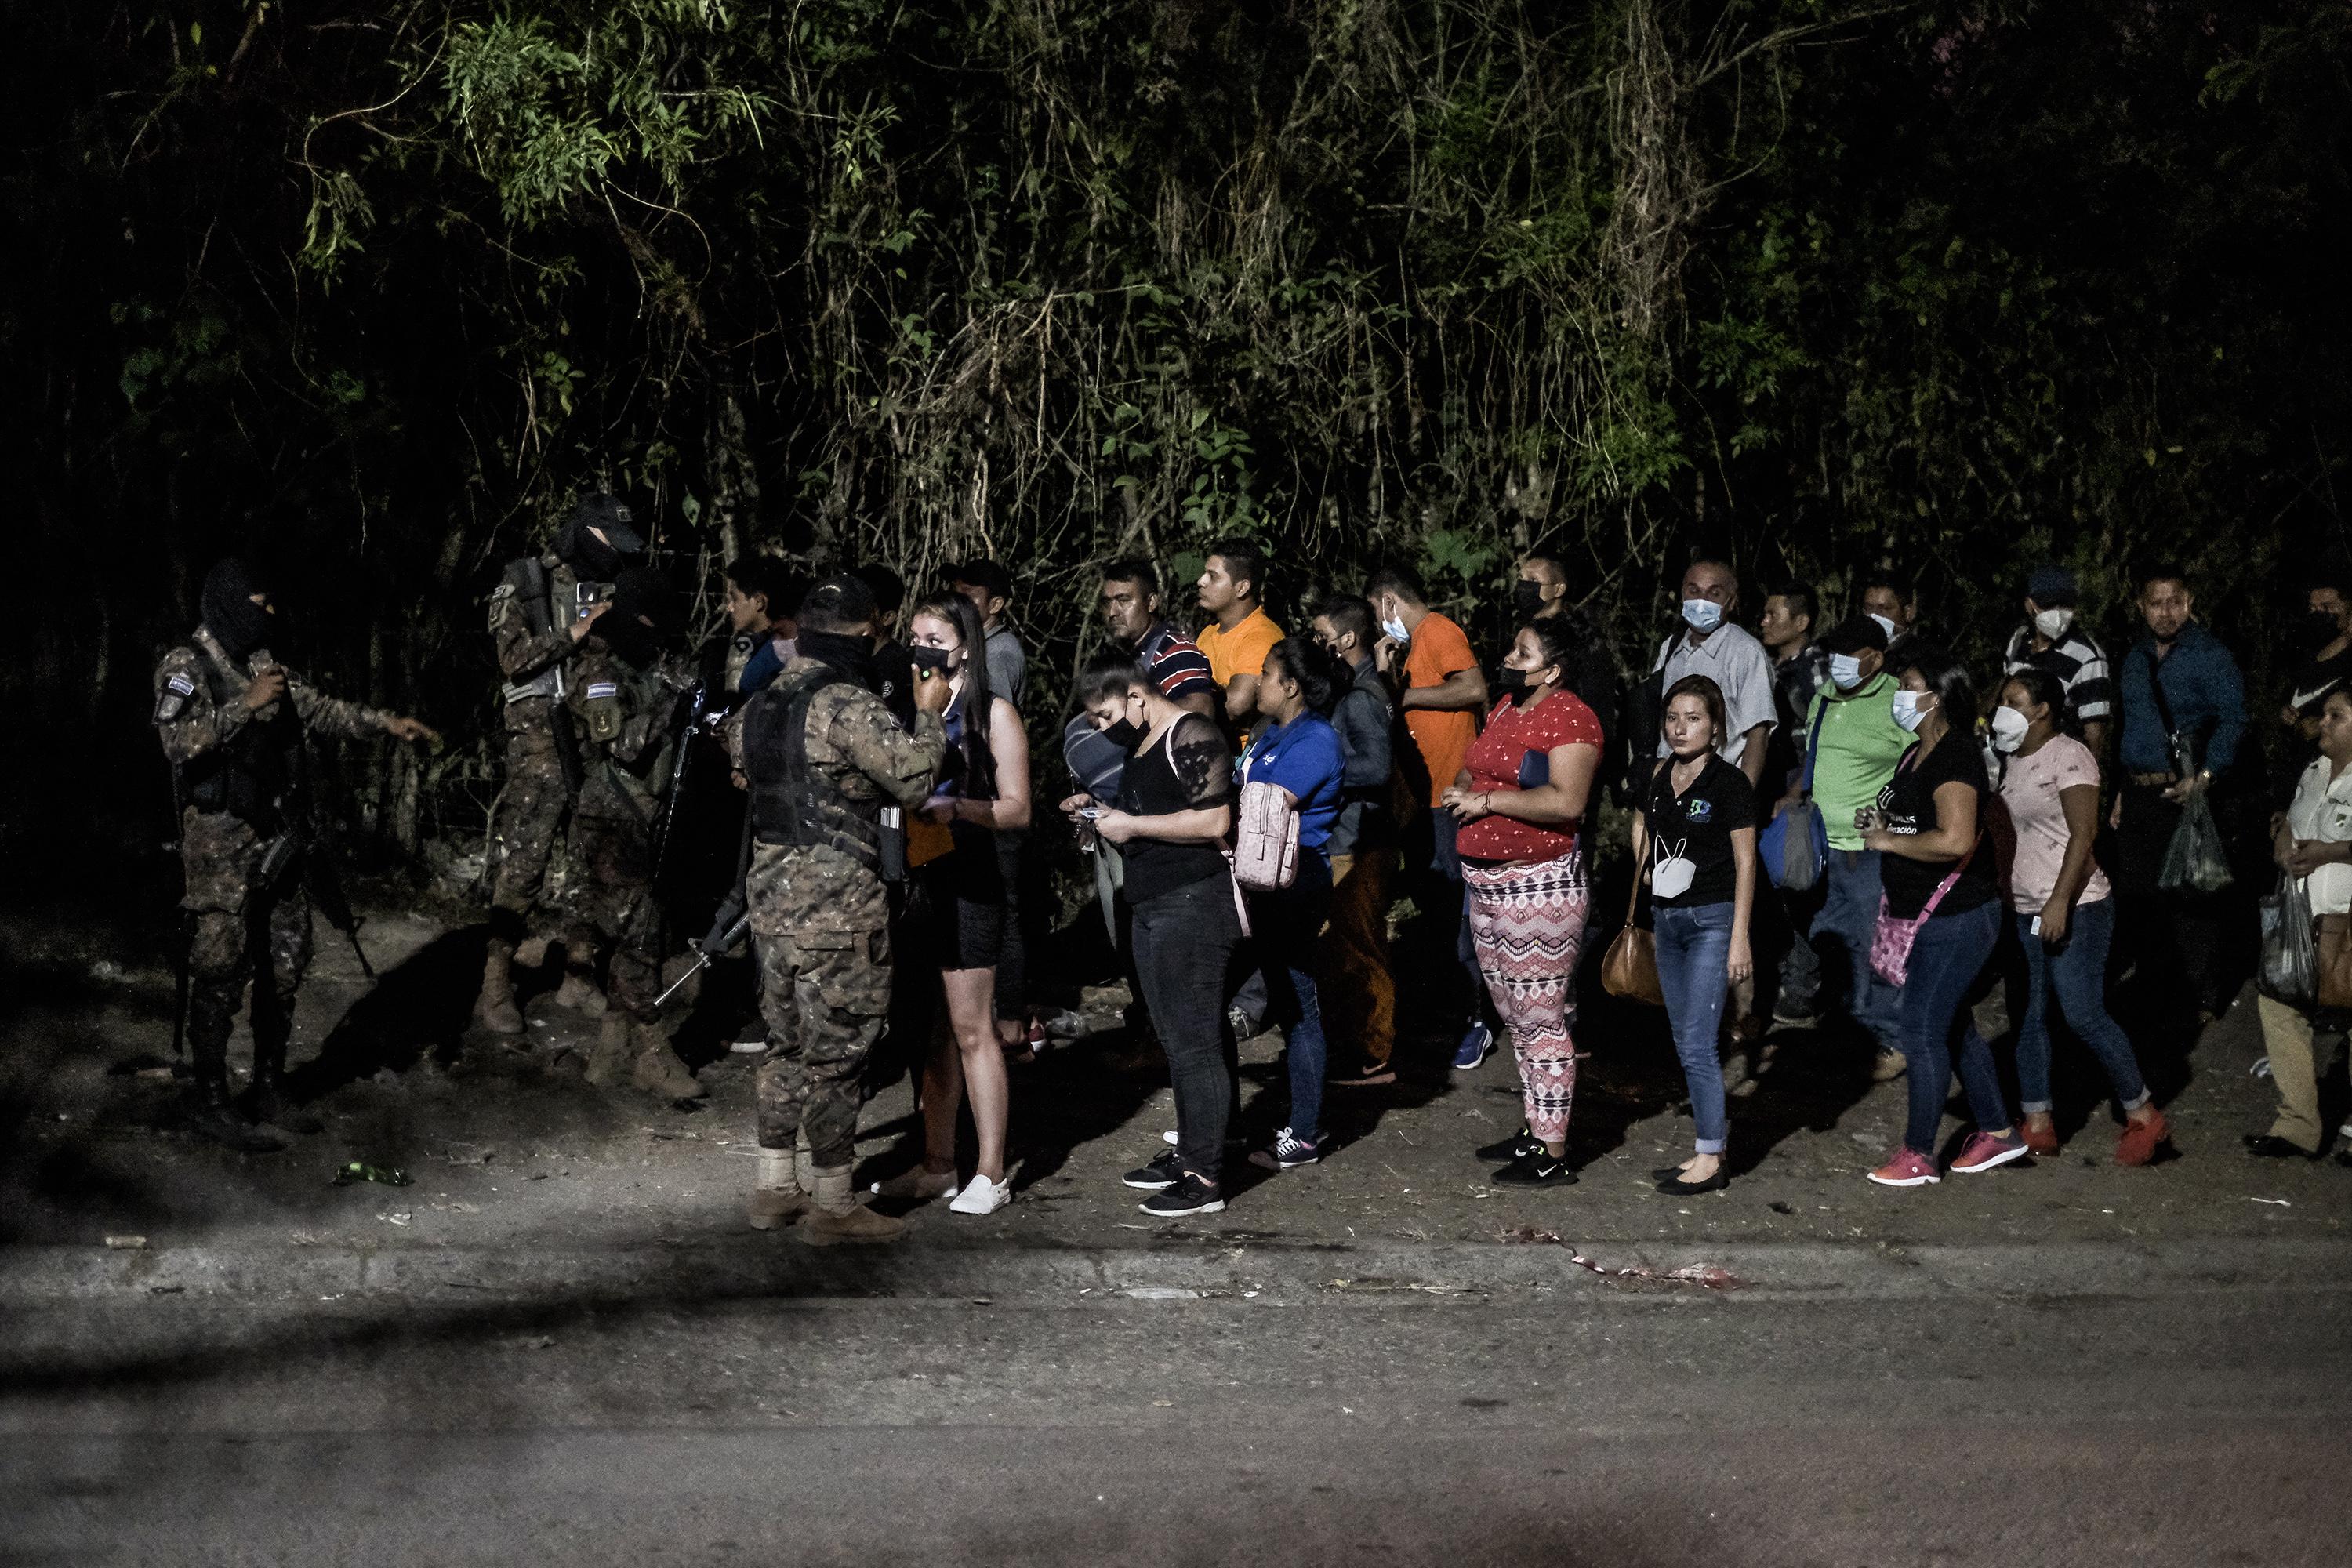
(1736, 662)
(2323, 811)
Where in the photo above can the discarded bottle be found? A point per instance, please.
(360, 1171)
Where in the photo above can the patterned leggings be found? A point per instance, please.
(1527, 921)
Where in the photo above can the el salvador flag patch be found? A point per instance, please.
(602, 689)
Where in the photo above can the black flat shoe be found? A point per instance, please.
(1517, 1146)
(2270, 1146)
(1673, 1187)
(1537, 1170)
(1667, 1174)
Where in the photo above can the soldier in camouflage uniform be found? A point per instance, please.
(541, 608)
(824, 759)
(623, 695)
(232, 722)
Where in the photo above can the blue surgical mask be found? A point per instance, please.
(1909, 708)
(1702, 615)
(1846, 670)
(1395, 630)
(1888, 627)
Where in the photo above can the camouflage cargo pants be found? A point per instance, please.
(529, 813)
(612, 908)
(240, 933)
(825, 995)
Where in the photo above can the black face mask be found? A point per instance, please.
(1511, 683)
(928, 657)
(1528, 599)
(1125, 734)
(237, 623)
(2319, 628)
(851, 657)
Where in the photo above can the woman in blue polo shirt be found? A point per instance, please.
(1300, 752)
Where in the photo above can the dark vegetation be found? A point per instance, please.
(373, 290)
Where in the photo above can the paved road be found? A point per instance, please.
(1569, 1425)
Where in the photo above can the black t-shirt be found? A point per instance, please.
(1909, 801)
(1698, 824)
(1188, 767)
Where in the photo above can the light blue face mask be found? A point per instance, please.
(1908, 710)
(1702, 615)
(1846, 670)
(1395, 631)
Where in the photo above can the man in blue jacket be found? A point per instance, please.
(2184, 717)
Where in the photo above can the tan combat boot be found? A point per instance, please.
(777, 1196)
(531, 951)
(659, 1070)
(838, 1217)
(495, 1007)
(578, 992)
(608, 1064)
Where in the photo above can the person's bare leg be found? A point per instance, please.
(971, 1018)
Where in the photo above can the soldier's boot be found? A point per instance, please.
(578, 991)
(608, 1063)
(659, 1070)
(266, 1100)
(777, 1196)
(531, 951)
(495, 1007)
(213, 1114)
(271, 1107)
(836, 1216)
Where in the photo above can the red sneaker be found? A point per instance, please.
(1906, 1168)
(2141, 1139)
(2041, 1140)
(1983, 1150)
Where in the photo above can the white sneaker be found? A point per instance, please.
(749, 1047)
(981, 1196)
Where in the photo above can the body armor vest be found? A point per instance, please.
(793, 802)
(534, 592)
(250, 775)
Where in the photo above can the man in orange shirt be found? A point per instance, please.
(1443, 692)
(1233, 592)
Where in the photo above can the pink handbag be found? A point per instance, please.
(1265, 838)
(1891, 939)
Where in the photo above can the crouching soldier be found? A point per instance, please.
(622, 696)
(826, 762)
(233, 723)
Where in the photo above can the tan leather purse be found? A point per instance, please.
(1630, 967)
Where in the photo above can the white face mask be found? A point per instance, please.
(1846, 670)
(1888, 627)
(1702, 615)
(1910, 709)
(2008, 727)
(1671, 873)
(2052, 624)
(1395, 630)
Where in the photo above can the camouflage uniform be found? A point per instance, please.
(622, 715)
(820, 914)
(530, 807)
(240, 930)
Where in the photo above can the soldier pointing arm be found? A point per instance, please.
(231, 720)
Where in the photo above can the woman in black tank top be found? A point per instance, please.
(1169, 823)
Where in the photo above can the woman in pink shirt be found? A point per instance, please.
(2064, 911)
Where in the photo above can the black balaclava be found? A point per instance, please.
(638, 590)
(850, 655)
(600, 560)
(237, 623)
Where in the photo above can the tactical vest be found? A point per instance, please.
(534, 592)
(250, 776)
(794, 804)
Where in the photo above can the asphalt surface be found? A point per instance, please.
(1585, 1423)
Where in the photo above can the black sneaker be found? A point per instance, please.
(1164, 1172)
(1517, 1146)
(1287, 1153)
(1188, 1194)
(1539, 1169)
(1368, 1074)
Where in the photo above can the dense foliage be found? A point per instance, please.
(374, 289)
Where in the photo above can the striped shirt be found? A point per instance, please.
(1175, 663)
(2075, 662)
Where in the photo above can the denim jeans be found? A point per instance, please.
(1949, 953)
(1842, 932)
(1693, 946)
(1185, 943)
(2077, 972)
(1288, 923)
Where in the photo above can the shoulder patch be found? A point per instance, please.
(597, 689)
(183, 682)
(503, 591)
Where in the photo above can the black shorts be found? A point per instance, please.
(959, 918)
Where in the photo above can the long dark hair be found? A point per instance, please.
(1948, 679)
(2047, 690)
(977, 772)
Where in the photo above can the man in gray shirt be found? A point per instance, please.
(1711, 646)
(988, 586)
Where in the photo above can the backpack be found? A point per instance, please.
(1266, 837)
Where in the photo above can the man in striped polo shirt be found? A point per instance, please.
(2051, 640)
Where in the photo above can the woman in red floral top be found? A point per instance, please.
(1519, 796)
